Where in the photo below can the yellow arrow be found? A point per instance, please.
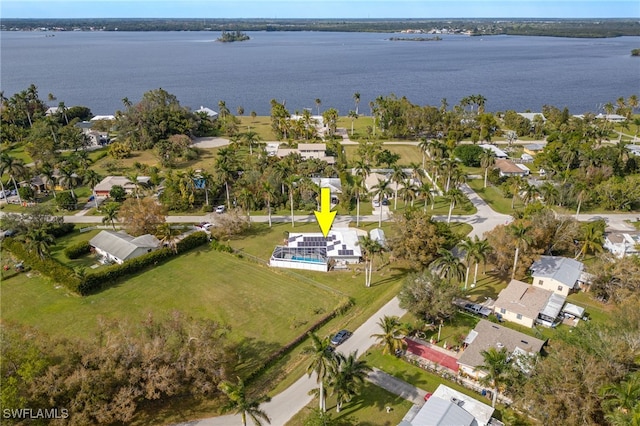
(325, 216)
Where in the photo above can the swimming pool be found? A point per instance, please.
(307, 259)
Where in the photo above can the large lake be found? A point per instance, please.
(98, 69)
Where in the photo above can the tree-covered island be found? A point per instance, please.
(230, 36)
(436, 38)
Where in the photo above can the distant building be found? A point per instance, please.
(533, 148)
(497, 151)
(118, 246)
(208, 111)
(377, 234)
(103, 117)
(308, 151)
(622, 244)
(527, 305)
(561, 275)
(509, 168)
(531, 116)
(104, 187)
(614, 118)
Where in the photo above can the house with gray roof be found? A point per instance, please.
(560, 275)
(527, 305)
(118, 246)
(488, 335)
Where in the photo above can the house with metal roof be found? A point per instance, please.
(208, 111)
(117, 247)
(527, 305)
(488, 335)
(496, 151)
(561, 275)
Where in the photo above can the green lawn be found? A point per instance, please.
(493, 196)
(366, 409)
(408, 154)
(258, 303)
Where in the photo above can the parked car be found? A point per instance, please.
(428, 395)
(385, 202)
(220, 209)
(474, 308)
(204, 225)
(376, 203)
(340, 337)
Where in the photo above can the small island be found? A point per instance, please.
(436, 38)
(230, 36)
(635, 52)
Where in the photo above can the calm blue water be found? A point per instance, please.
(99, 69)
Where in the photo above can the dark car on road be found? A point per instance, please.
(340, 337)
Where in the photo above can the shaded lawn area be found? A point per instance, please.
(366, 409)
(259, 304)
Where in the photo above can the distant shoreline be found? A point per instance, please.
(571, 28)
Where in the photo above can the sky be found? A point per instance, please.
(320, 9)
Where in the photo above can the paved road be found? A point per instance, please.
(286, 404)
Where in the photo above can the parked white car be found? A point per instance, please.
(220, 209)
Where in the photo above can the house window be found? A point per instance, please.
(559, 288)
(519, 316)
(540, 282)
(503, 311)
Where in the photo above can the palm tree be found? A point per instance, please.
(623, 396)
(69, 179)
(591, 239)
(523, 239)
(240, 402)
(468, 246)
(225, 166)
(38, 241)
(359, 188)
(246, 198)
(381, 191)
(321, 361)
(427, 196)
(251, 138)
(347, 377)
(424, 145)
(167, 236)
(110, 211)
(549, 193)
(369, 249)
(318, 103)
(529, 192)
(455, 196)
(353, 116)
(480, 252)
(356, 99)
(397, 176)
(392, 336)
(267, 193)
(497, 368)
(92, 178)
(206, 178)
(409, 191)
(487, 159)
(290, 182)
(448, 265)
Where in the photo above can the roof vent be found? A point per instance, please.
(525, 342)
(500, 345)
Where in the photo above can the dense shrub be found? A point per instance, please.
(216, 245)
(65, 200)
(76, 250)
(469, 155)
(48, 267)
(57, 230)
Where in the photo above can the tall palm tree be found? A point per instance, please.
(455, 196)
(549, 193)
(246, 198)
(318, 103)
(426, 195)
(267, 194)
(591, 239)
(448, 265)
(207, 179)
(423, 146)
(110, 211)
(497, 368)
(392, 336)
(242, 404)
(487, 159)
(356, 99)
(92, 178)
(623, 396)
(370, 248)
(69, 179)
(359, 188)
(252, 139)
(347, 377)
(409, 191)
(225, 167)
(529, 192)
(523, 239)
(290, 182)
(397, 176)
(38, 241)
(353, 116)
(480, 253)
(468, 246)
(321, 360)
(381, 191)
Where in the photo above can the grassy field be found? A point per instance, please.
(408, 154)
(366, 409)
(493, 196)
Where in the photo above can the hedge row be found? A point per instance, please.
(105, 277)
(274, 357)
(48, 267)
(79, 249)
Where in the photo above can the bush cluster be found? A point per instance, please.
(76, 250)
(48, 267)
(218, 246)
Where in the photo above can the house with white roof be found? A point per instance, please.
(446, 407)
(312, 251)
(527, 305)
(103, 188)
(531, 116)
(308, 151)
(622, 244)
(497, 151)
(561, 275)
(488, 335)
(119, 247)
(208, 111)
